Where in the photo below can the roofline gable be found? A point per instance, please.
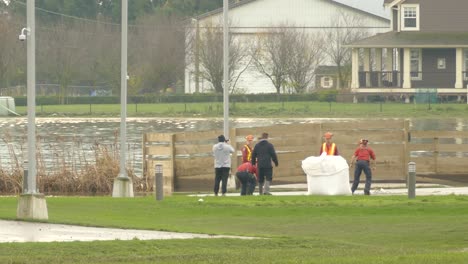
(220, 10)
(393, 3)
(358, 10)
(244, 2)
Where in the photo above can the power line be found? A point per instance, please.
(68, 16)
(94, 20)
(231, 27)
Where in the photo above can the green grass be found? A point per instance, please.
(297, 229)
(275, 109)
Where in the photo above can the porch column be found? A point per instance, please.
(406, 68)
(378, 65)
(389, 60)
(459, 68)
(397, 64)
(367, 66)
(355, 68)
(388, 75)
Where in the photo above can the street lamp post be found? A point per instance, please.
(123, 186)
(226, 67)
(31, 205)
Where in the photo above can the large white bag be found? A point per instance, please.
(327, 175)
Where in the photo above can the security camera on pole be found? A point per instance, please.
(24, 33)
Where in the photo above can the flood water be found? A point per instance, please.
(75, 138)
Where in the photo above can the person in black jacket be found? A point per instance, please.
(263, 154)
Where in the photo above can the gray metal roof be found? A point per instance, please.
(326, 70)
(413, 40)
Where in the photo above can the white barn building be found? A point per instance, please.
(250, 17)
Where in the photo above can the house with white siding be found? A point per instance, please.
(249, 18)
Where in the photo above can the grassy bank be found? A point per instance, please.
(258, 109)
(299, 229)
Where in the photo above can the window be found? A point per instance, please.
(416, 64)
(410, 17)
(327, 82)
(441, 63)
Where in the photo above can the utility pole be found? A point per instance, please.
(123, 186)
(31, 205)
(197, 57)
(226, 66)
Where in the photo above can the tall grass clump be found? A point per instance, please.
(64, 167)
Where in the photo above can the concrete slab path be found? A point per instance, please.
(19, 231)
(377, 189)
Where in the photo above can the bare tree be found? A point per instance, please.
(273, 54)
(157, 55)
(102, 60)
(10, 55)
(211, 57)
(60, 55)
(345, 28)
(306, 55)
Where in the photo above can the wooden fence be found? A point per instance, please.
(188, 162)
(440, 155)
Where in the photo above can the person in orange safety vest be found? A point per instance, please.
(328, 146)
(247, 149)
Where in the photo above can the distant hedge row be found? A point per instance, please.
(324, 96)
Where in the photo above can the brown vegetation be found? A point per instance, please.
(68, 174)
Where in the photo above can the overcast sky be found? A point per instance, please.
(371, 6)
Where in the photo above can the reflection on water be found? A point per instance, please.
(77, 136)
(450, 124)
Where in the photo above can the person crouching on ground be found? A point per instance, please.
(363, 155)
(222, 163)
(247, 175)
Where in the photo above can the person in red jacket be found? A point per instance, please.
(363, 156)
(247, 149)
(247, 175)
(328, 146)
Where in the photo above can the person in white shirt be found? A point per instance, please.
(222, 163)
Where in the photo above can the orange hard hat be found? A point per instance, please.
(249, 137)
(328, 135)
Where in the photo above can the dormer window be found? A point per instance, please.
(410, 17)
(327, 82)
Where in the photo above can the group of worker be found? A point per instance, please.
(256, 165)
(363, 156)
(258, 160)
